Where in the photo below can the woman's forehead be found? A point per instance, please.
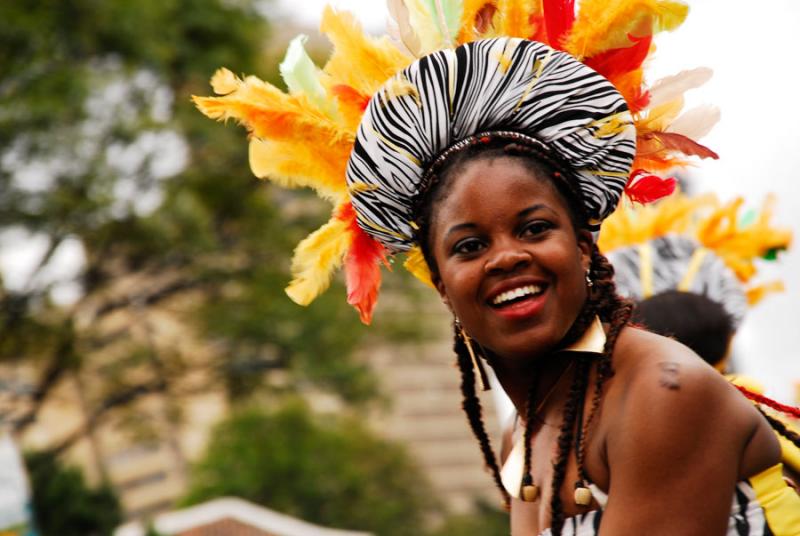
(499, 185)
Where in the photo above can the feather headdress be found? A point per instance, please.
(705, 239)
(304, 137)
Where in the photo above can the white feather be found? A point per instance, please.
(670, 88)
(402, 27)
(697, 122)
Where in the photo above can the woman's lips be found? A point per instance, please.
(522, 308)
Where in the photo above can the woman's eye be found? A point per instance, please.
(467, 246)
(536, 227)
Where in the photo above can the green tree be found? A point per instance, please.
(64, 505)
(104, 159)
(329, 471)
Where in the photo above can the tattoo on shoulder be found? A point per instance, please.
(670, 375)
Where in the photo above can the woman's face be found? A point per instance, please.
(510, 265)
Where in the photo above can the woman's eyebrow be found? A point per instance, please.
(459, 227)
(533, 208)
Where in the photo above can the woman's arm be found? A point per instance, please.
(675, 449)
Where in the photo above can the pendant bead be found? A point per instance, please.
(530, 493)
(583, 496)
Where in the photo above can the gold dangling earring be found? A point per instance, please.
(589, 282)
(480, 372)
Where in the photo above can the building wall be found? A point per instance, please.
(150, 470)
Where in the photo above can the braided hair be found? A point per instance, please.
(473, 409)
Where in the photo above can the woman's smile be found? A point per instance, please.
(510, 263)
(518, 298)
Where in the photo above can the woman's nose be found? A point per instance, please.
(507, 260)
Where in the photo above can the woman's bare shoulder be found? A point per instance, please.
(666, 398)
(644, 361)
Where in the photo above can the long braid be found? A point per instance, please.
(472, 407)
(617, 312)
(582, 322)
(530, 414)
(575, 399)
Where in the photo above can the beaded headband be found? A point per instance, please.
(543, 153)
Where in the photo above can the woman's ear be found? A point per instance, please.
(585, 245)
(440, 288)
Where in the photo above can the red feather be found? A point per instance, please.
(618, 61)
(559, 16)
(639, 101)
(362, 267)
(645, 188)
(537, 21)
(672, 141)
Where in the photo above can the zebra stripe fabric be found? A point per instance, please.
(747, 517)
(671, 257)
(489, 85)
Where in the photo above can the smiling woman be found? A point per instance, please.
(502, 213)
(487, 148)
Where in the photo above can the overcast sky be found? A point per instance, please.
(753, 49)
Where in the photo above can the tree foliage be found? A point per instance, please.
(485, 520)
(105, 160)
(333, 471)
(64, 505)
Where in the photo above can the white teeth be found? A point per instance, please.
(516, 293)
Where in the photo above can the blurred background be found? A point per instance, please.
(150, 361)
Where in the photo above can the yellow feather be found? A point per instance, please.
(400, 86)
(658, 119)
(224, 82)
(267, 112)
(714, 225)
(301, 164)
(415, 263)
(515, 17)
(358, 60)
(757, 293)
(315, 260)
(630, 225)
(605, 24)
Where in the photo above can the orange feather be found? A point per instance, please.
(352, 104)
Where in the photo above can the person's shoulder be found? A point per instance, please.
(644, 360)
(664, 390)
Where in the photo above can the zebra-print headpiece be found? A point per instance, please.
(502, 84)
(694, 244)
(676, 262)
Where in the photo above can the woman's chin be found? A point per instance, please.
(529, 347)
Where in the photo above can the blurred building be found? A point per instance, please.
(144, 449)
(424, 383)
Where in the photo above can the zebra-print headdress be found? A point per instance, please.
(676, 262)
(361, 134)
(503, 84)
(694, 244)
